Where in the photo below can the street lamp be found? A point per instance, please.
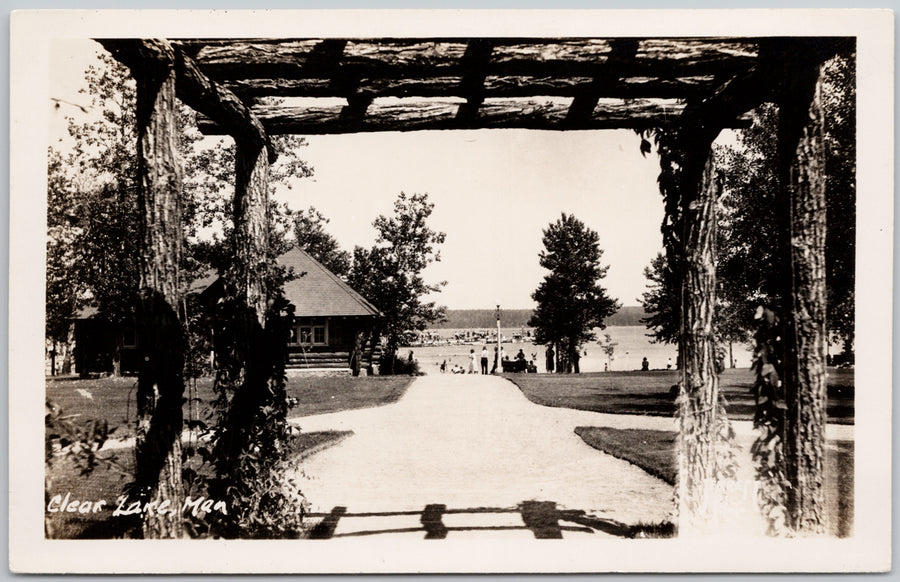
(499, 367)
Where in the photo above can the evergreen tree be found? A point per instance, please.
(570, 300)
(661, 301)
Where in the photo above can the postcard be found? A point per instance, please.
(451, 291)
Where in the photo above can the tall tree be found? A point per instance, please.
(661, 301)
(390, 273)
(747, 272)
(311, 236)
(63, 287)
(571, 301)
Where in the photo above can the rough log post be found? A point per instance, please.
(161, 335)
(700, 416)
(802, 162)
(251, 225)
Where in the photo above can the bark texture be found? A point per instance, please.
(701, 418)
(436, 114)
(161, 334)
(193, 87)
(364, 58)
(251, 222)
(805, 388)
(496, 86)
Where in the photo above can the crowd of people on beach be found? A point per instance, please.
(519, 363)
(480, 365)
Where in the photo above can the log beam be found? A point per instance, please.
(633, 87)
(547, 114)
(193, 87)
(391, 58)
(471, 86)
(606, 80)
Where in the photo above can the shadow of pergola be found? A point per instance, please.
(543, 518)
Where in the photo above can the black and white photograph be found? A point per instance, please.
(451, 291)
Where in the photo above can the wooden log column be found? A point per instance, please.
(161, 334)
(251, 224)
(802, 171)
(697, 467)
(703, 451)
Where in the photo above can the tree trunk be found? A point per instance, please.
(251, 222)
(67, 363)
(803, 198)
(698, 417)
(162, 340)
(245, 366)
(117, 355)
(357, 353)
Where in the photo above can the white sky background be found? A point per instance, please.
(494, 191)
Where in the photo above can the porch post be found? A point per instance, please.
(162, 338)
(251, 220)
(802, 198)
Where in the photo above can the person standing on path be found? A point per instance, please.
(472, 361)
(484, 360)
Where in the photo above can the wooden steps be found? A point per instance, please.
(326, 360)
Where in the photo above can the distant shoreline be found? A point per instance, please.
(629, 315)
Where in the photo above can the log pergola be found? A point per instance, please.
(686, 89)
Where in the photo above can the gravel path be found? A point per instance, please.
(471, 441)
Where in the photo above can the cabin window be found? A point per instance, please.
(309, 335)
(129, 337)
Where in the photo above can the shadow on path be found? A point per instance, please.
(542, 518)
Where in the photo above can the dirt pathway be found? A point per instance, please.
(461, 442)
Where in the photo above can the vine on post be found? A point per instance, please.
(769, 420)
(246, 458)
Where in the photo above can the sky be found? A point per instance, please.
(494, 191)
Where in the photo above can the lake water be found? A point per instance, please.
(633, 346)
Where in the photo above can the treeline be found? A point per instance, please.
(487, 318)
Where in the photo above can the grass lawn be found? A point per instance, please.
(106, 482)
(336, 393)
(648, 392)
(654, 452)
(112, 399)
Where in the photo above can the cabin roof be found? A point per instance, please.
(317, 292)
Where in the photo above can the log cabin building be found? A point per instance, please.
(333, 323)
(333, 327)
(99, 346)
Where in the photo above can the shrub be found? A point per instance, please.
(401, 367)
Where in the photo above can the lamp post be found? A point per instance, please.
(499, 361)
